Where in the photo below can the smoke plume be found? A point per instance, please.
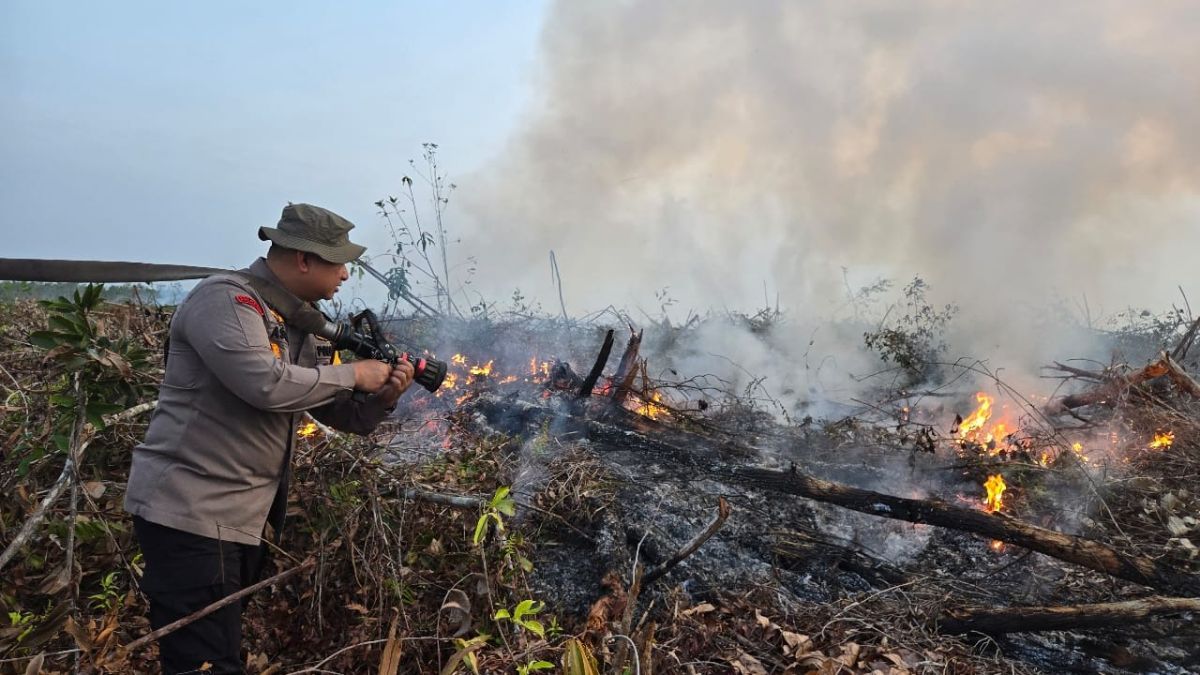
(1011, 153)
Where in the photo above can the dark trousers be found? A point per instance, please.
(185, 573)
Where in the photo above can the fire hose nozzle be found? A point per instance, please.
(368, 342)
(429, 373)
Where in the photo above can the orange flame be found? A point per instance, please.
(307, 430)
(997, 546)
(458, 360)
(974, 427)
(652, 408)
(485, 369)
(975, 421)
(1162, 441)
(995, 492)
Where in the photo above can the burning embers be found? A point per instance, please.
(465, 376)
(463, 373)
(1162, 440)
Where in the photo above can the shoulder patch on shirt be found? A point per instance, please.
(249, 302)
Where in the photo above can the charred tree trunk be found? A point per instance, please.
(1033, 619)
(1077, 550)
(627, 368)
(589, 382)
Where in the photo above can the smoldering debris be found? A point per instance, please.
(649, 474)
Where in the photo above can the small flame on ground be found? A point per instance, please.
(995, 487)
(307, 430)
(484, 370)
(997, 546)
(458, 359)
(652, 408)
(1162, 441)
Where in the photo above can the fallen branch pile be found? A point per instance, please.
(431, 563)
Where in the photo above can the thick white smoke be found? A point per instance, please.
(1012, 153)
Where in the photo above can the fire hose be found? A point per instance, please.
(361, 335)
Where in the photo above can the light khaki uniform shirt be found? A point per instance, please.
(236, 381)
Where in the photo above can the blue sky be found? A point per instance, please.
(170, 131)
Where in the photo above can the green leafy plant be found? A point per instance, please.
(25, 620)
(520, 616)
(109, 595)
(534, 666)
(916, 340)
(501, 505)
(112, 371)
(511, 549)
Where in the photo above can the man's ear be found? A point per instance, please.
(301, 261)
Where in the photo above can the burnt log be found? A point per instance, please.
(1076, 550)
(1107, 392)
(1116, 387)
(685, 451)
(996, 621)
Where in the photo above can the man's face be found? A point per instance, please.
(323, 278)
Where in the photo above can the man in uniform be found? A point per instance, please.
(213, 469)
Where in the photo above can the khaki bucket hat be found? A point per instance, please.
(309, 228)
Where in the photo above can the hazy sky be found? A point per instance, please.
(1013, 151)
(168, 131)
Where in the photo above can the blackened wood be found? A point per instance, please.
(1108, 392)
(589, 382)
(691, 547)
(627, 369)
(1077, 550)
(1115, 388)
(1180, 377)
(687, 455)
(995, 621)
(1185, 343)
